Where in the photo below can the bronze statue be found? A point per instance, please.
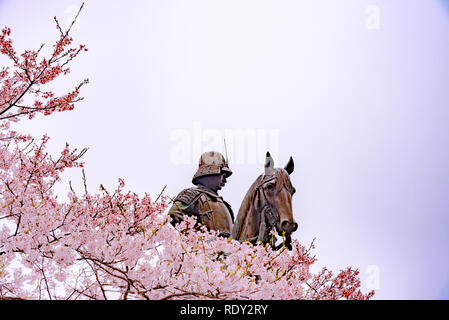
(267, 206)
(203, 201)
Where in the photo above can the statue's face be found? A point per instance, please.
(214, 182)
(222, 181)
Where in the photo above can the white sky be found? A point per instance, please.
(362, 111)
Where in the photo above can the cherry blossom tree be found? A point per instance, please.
(117, 244)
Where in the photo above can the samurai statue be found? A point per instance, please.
(203, 200)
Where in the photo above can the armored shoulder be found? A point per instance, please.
(187, 196)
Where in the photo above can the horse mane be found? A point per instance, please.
(245, 208)
(247, 200)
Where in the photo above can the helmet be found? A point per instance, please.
(211, 162)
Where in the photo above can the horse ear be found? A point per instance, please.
(269, 164)
(290, 166)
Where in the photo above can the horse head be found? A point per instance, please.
(267, 205)
(278, 191)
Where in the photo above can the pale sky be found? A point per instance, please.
(354, 90)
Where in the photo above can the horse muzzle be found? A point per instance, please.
(288, 227)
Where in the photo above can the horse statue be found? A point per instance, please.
(267, 206)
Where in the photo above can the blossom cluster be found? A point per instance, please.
(28, 73)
